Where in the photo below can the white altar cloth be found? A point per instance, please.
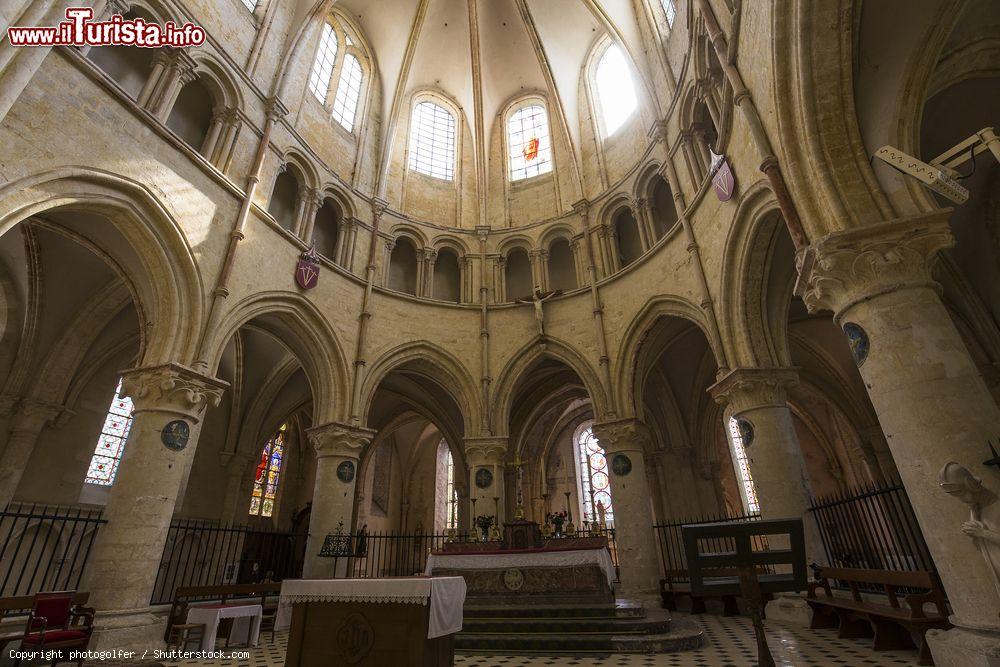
(498, 560)
(446, 596)
(246, 622)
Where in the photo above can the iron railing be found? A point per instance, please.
(205, 553)
(45, 547)
(873, 528)
(669, 536)
(390, 554)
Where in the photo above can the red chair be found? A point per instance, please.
(56, 625)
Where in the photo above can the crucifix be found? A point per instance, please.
(538, 298)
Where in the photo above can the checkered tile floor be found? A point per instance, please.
(729, 642)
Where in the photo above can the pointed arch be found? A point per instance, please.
(515, 368)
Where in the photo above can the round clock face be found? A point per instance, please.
(513, 579)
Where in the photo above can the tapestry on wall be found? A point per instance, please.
(380, 482)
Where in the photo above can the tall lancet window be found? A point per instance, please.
(111, 444)
(595, 484)
(265, 484)
(747, 488)
(345, 104)
(432, 141)
(670, 9)
(322, 71)
(615, 90)
(446, 495)
(528, 142)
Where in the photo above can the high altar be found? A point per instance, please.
(524, 568)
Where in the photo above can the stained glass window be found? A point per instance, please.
(595, 485)
(743, 467)
(265, 484)
(452, 495)
(250, 4)
(111, 445)
(345, 104)
(529, 145)
(432, 141)
(322, 71)
(615, 91)
(670, 9)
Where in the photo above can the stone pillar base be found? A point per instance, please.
(790, 608)
(135, 629)
(960, 647)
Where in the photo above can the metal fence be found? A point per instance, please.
(45, 547)
(669, 536)
(391, 554)
(204, 553)
(873, 528)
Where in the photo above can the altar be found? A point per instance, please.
(557, 571)
(371, 622)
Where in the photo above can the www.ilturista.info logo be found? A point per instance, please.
(79, 30)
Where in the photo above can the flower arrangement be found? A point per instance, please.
(557, 519)
(483, 522)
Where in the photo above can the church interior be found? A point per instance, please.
(502, 332)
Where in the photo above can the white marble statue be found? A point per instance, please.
(956, 480)
(601, 512)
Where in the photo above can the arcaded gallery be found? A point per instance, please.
(499, 333)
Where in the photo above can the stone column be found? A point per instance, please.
(646, 236)
(430, 257)
(180, 70)
(931, 401)
(126, 556)
(312, 201)
(29, 420)
(625, 443)
(237, 467)
(875, 439)
(485, 458)
(338, 448)
(759, 396)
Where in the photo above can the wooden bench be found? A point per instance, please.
(892, 625)
(266, 594)
(677, 584)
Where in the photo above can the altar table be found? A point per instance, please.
(530, 576)
(246, 622)
(388, 621)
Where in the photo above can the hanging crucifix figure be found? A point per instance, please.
(538, 298)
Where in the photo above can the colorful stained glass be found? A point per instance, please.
(265, 485)
(452, 494)
(111, 443)
(595, 485)
(530, 148)
(743, 468)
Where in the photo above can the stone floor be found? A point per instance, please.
(729, 642)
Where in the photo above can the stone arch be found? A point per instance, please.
(521, 362)
(218, 79)
(305, 167)
(297, 323)
(158, 263)
(434, 363)
(756, 337)
(628, 386)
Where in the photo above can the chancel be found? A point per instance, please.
(392, 332)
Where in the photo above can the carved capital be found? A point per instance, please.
(710, 470)
(379, 207)
(33, 415)
(275, 109)
(485, 451)
(844, 268)
(657, 131)
(340, 440)
(749, 388)
(582, 208)
(623, 435)
(172, 388)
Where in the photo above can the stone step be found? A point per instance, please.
(683, 635)
(657, 621)
(623, 609)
